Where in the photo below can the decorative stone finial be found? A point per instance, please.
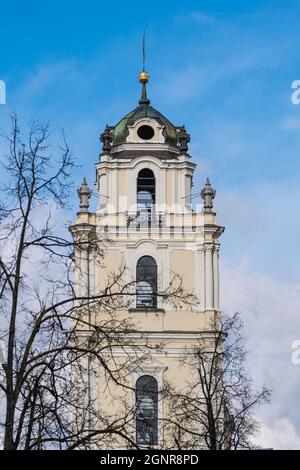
(208, 194)
(84, 194)
(184, 139)
(106, 138)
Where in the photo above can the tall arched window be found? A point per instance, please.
(146, 193)
(146, 282)
(146, 410)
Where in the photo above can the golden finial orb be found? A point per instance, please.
(144, 77)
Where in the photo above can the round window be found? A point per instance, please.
(145, 132)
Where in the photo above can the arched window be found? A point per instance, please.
(146, 390)
(146, 282)
(146, 193)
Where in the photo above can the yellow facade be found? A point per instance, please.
(183, 241)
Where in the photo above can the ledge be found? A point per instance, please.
(141, 309)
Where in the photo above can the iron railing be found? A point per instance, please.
(144, 219)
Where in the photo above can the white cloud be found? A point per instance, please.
(259, 269)
(270, 310)
(197, 78)
(200, 17)
(45, 75)
(291, 123)
(197, 17)
(280, 434)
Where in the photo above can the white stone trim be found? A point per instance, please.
(216, 277)
(140, 165)
(209, 282)
(148, 248)
(133, 136)
(159, 335)
(197, 278)
(155, 370)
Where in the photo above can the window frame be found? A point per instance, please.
(146, 183)
(151, 422)
(149, 278)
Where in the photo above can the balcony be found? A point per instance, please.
(145, 219)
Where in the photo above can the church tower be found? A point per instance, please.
(150, 229)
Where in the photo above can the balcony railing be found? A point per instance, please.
(144, 219)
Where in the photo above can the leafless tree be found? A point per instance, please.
(216, 409)
(45, 381)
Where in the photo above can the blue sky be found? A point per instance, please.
(224, 69)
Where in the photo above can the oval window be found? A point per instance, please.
(145, 132)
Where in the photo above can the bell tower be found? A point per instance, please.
(146, 218)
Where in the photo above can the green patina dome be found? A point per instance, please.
(120, 131)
